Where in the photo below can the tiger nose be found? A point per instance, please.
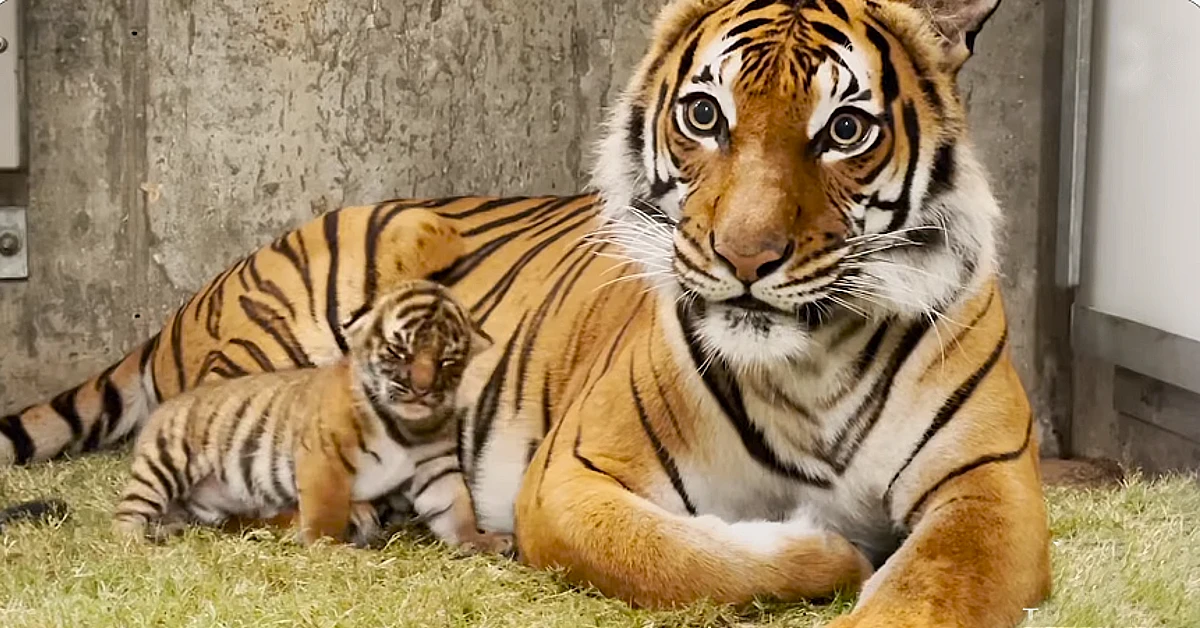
(751, 265)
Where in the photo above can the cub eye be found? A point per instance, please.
(399, 354)
(848, 129)
(702, 115)
(448, 362)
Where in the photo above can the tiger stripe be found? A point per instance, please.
(765, 356)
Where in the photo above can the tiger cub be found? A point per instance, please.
(327, 439)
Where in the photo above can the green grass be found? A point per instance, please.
(1124, 557)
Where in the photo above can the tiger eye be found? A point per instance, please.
(702, 115)
(847, 129)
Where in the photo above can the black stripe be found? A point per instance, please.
(270, 287)
(177, 351)
(391, 421)
(156, 507)
(591, 466)
(489, 398)
(113, 405)
(148, 352)
(662, 392)
(256, 353)
(950, 408)
(375, 227)
(941, 180)
(464, 265)
(966, 468)
(969, 327)
(746, 26)
(169, 465)
(299, 261)
(837, 9)
(664, 457)
(217, 363)
(591, 256)
(165, 487)
(852, 435)
(635, 130)
(349, 466)
(530, 341)
(724, 388)
(64, 405)
(685, 62)
(250, 447)
(332, 318)
(889, 81)
(269, 321)
(486, 206)
(497, 293)
(906, 200)
(12, 428)
(757, 5)
(144, 481)
(424, 486)
(835, 35)
(517, 217)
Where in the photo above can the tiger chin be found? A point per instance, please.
(319, 445)
(768, 359)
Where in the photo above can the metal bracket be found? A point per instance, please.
(14, 244)
(1077, 75)
(11, 115)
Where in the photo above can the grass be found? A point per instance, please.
(1123, 557)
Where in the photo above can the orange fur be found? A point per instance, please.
(612, 426)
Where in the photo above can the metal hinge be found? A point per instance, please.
(14, 244)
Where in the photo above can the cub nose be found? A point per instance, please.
(758, 262)
(421, 375)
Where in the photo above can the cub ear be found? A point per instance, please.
(480, 340)
(958, 22)
(357, 330)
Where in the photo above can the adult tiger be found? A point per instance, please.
(785, 320)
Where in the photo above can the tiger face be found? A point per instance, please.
(784, 167)
(411, 350)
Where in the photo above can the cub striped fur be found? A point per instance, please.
(330, 439)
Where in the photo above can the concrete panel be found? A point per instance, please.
(75, 312)
(169, 138)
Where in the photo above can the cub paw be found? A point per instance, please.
(365, 529)
(489, 543)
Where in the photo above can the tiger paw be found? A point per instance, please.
(365, 529)
(489, 543)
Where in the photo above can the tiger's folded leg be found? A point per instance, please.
(573, 512)
(978, 553)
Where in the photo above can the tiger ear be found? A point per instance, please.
(957, 22)
(357, 329)
(480, 340)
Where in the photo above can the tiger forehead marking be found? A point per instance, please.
(802, 164)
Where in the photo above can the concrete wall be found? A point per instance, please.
(168, 138)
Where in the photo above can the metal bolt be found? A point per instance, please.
(10, 244)
(3, 44)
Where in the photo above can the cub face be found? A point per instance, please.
(412, 348)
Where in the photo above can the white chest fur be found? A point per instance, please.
(380, 475)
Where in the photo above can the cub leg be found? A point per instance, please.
(324, 480)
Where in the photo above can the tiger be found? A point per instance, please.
(764, 357)
(326, 440)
